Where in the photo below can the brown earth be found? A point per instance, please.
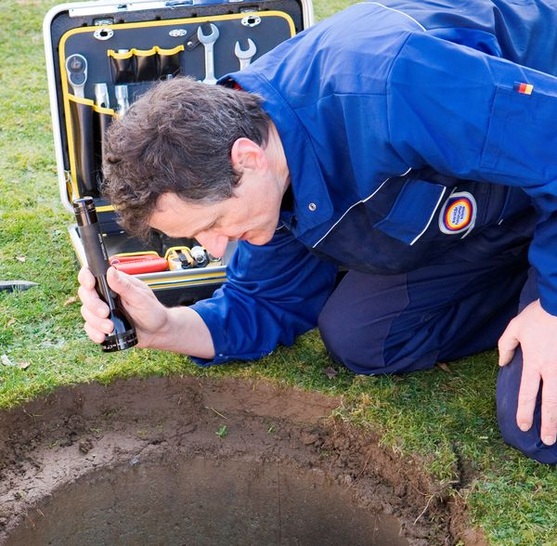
(223, 461)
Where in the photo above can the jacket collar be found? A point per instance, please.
(312, 205)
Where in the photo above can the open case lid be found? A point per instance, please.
(102, 55)
(101, 21)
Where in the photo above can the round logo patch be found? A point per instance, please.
(458, 214)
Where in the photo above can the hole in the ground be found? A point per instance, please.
(190, 461)
(202, 503)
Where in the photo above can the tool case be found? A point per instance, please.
(101, 56)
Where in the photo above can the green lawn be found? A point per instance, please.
(446, 415)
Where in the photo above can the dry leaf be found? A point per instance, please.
(21, 259)
(23, 365)
(330, 372)
(70, 301)
(444, 367)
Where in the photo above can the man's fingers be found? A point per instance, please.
(97, 321)
(94, 335)
(128, 287)
(86, 278)
(90, 299)
(507, 345)
(527, 395)
(548, 431)
(527, 398)
(94, 311)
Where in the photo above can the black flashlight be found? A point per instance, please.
(123, 336)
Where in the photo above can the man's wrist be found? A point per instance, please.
(184, 331)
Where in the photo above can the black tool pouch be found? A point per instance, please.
(123, 67)
(84, 167)
(102, 120)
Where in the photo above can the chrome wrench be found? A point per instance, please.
(76, 70)
(245, 55)
(208, 41)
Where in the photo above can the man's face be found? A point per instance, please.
(251, 215)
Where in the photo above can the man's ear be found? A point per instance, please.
(246, 154)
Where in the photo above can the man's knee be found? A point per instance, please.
(343, 341)
(368, 347)
(354, 324)
(529, 442)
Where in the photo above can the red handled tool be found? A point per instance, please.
(140, 262)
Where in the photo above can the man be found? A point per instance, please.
(412, 143)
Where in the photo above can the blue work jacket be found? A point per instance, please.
(411, 129)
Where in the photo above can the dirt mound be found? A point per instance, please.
(185, 460)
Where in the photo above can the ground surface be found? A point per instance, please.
(238, 437)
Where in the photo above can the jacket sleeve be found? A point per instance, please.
(479, 117)
(273, 293)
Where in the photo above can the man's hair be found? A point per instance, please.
(177, 138)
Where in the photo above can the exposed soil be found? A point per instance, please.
(223, 461)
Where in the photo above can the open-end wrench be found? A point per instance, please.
(208, 41)
(245, 55)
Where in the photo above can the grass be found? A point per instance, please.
(446, 415)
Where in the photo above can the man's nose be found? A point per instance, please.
(214, 244)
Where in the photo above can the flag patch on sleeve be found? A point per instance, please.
(523, 88)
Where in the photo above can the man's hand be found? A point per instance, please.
(146, 312)
(177, 329)
(535, 331)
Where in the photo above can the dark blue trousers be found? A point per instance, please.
(391, 324)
